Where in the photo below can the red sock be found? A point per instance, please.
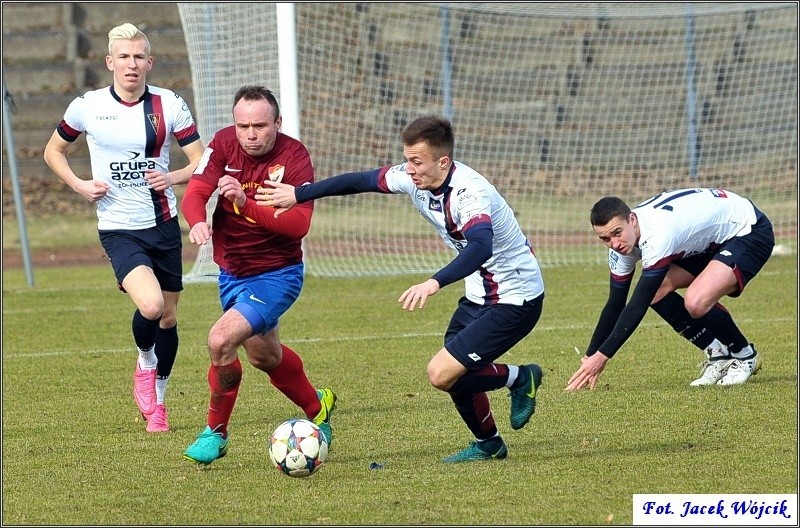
(224, 383)
(290, 378)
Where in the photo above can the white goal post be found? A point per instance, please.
(558, 104)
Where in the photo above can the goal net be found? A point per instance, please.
(557, 104)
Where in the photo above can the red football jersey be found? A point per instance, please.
(241, 246)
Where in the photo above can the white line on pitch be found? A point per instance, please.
(15, 355)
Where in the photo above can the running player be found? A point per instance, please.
(129, 128)
(260, 260)
(504, 290)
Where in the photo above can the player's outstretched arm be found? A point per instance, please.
(282, 196)
(627, 321)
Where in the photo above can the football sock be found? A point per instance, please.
(290, 378)
(166, 349)
(144, 331)
(475, 412)
(147, 358)
(513, 372)
(716, 350)
(491, 377)
(224, 382)
(161, 388)
(745, 353)
(720, 322)
(672, 309)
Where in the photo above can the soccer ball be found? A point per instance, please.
(298, 447)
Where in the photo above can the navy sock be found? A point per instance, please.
(166, 341)
(719, 321)
(489, 378)
(144, 330)
(475, 412)
(673, 310)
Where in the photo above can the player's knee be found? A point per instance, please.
(168, 320)
(152, 310)
(438, 379)
(696, 307)
(264, 363)
(219, 345)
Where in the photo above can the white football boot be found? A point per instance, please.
(716, 365)
(713, 371)
(740, 370)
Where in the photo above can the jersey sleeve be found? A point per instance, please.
(73, 124)
(193, 205)
(294, 223)
(300, 169)
(634, 311)
(477, 251)
(211, 166)
(395, 180)
(184, 128)
(617, 297)
(341, 185)
(622, 267)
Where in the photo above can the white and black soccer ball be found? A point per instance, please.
(298, 447)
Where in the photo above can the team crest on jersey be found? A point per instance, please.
(276, 173)
(435, 205)
(155, 120)
(719, 193)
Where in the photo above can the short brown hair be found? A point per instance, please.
(434, 130)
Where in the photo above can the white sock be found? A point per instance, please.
(147, 358)
(717, 350)
(745, 353)
(161, 388)
(513, 372)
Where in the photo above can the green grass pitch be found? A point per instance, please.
(76, 453)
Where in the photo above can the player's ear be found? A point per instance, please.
(110, 63)
(444, 162)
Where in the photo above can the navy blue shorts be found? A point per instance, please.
(478, 335)
(159, 248)
(745, 255)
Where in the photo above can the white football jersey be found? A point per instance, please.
(512, 274)
(124, 140)
(682, 223)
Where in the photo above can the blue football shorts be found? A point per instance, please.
(262, 299)
(478, 335)
(159, 248)
(745, 255)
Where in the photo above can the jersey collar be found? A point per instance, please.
(117, 98)
(446, 184)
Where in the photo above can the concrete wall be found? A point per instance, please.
(53, 52)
